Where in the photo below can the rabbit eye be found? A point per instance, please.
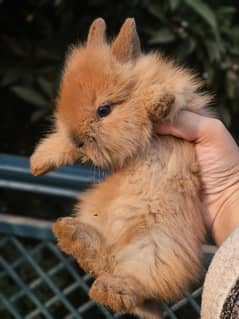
(104, 110)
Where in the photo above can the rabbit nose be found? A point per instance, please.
(77, 141)
(80, 144)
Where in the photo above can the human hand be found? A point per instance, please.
(218, 157)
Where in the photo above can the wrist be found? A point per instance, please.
(227, 215)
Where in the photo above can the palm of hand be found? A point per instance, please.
(218, 157)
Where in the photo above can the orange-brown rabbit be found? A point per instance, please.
(140, 231)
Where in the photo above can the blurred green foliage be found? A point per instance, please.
(203, 35)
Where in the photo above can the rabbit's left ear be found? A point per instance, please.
(126, 46)
(96, 35)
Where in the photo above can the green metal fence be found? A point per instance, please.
(36, 279)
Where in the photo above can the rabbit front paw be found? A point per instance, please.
(40, 164)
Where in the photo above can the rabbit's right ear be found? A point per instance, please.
(96, 35)
(126, 46)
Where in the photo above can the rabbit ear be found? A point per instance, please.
(96, 35)
(126, 46)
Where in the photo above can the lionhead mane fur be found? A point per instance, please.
(140, 231)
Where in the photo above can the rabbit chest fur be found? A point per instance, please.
(140, 231)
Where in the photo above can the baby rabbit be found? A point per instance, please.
(140, 231)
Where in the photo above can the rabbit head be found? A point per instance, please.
(96, 104)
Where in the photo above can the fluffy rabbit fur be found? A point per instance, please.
(140, 231)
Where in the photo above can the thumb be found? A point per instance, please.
(188, 126)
